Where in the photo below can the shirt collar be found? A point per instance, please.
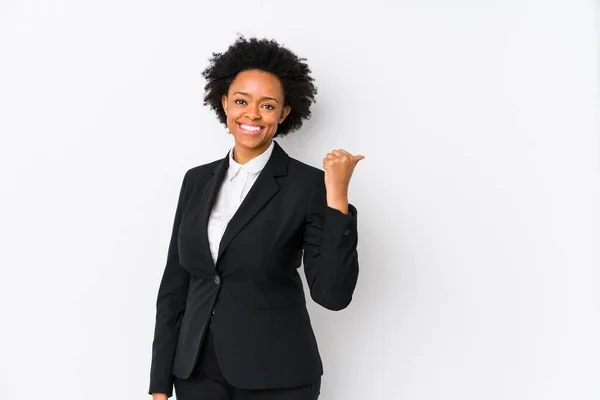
(253, 166)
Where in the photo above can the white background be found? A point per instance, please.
(478, 198)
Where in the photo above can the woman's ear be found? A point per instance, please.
(224, 103)
(285, 111)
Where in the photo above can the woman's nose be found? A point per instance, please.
(252, 112)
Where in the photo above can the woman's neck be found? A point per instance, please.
(242, 155)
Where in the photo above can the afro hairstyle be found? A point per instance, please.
(268, 56)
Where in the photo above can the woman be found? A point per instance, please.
(231, 319)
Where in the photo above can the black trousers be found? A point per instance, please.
(207, 383)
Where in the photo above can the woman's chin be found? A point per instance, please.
(251, 141)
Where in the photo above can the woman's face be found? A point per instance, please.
(254, 106)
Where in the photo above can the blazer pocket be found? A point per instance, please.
(288, 304)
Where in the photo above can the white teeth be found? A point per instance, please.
(250, 128)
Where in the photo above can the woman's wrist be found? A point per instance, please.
(339, 203)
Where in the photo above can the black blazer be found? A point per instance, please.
(263, 334)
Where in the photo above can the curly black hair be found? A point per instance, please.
(265, 55)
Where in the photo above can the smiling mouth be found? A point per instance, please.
(251, 129)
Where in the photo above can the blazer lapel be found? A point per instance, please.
(209, 195)
(259, 195)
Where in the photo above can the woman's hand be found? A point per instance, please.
(159, 396)
(339, 166)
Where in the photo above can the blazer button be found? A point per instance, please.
(217, 279)
(347, 232)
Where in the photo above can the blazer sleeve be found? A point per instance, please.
(170, 307)
(330, 255)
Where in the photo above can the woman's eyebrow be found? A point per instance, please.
(264, 97)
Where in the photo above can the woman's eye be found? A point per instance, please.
(240, 101)
(269, 107)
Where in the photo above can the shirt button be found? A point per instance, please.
(217, 279)
(347, 232)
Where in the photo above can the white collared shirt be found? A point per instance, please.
(236, 185)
